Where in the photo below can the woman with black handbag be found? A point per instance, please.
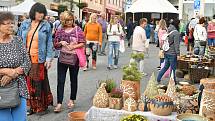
(37, 37)
(14, 65)
(200, 36)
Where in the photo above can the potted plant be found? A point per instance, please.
(115, 100)
(131, 81)
(134, 117)
(137, 56)
(110, 84)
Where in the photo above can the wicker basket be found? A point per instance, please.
(76, 116)
(196, 74)
(182, 65)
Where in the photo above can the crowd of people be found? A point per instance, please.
(26, 57)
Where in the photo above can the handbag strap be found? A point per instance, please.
(76, 33)
(29, 49)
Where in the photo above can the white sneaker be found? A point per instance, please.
(144, 74)
(85, 69)
(115, 66)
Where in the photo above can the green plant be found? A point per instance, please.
(116, 93)
(138, 56)
(82, 5)
(131, 73)
(134, 117)
(110, 84)
(62, 8)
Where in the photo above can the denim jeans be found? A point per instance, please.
(113, 53)
(104, 43)
(170, 61)
(15, 114)
(201, 48)
(211, 42)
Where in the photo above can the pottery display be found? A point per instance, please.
(101, 98)
(190, 117)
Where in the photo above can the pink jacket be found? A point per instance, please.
(211, 27)
(161, 32)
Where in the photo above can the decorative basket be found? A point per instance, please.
(130, 105)
(130, 88)
(115, 103)
(182, 65)
(101, 98)
(144, 104)
(187, 105)
(190, 117)
(162, 105)
(76, 116)
(207, 106)
(196, 74)
(209, 83)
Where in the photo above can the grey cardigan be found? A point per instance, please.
(174, 40)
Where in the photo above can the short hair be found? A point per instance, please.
(176, 23)
(142, 20)
(4, 16)
(66, 15)
(202, 20)
(37, 7)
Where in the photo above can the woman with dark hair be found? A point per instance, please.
(170, 56)
(67, 39)
(200, 37)
(37, 37)
(14, 65)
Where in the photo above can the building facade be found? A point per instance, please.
(6, 4)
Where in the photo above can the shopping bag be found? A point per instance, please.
(167, 73)
(122, 46)
(81, 56)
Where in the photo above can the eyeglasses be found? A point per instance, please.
(9, 23)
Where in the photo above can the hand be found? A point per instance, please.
(47, 64)
(11, 73)
(5, 80)
(71, 47)
(64, 43)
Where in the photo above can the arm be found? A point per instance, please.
(195, 33)
(177, 43)
(210, 28)
(57, 43)
(110, 33)
(85, 30)
(204, 34)
(120, 32)
(49, 48)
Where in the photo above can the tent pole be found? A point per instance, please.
(133, 17)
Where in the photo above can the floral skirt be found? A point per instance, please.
(39, 88)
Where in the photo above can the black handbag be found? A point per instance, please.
(9, 95)
(202, 43)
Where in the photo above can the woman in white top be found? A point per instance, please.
(200, 36)
(114, 32)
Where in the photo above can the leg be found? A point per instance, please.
(173, 63)
(104, 42)
(161, 61)
(88, 54)
(94, 54)
(19, 112)
(201, 50)
(73, 70)
(213, 42)
(116, 52)
(164, 69)
(61, 78)
(210, 42)
(5, 115)
(110, 54)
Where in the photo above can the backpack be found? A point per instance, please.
(166, 44)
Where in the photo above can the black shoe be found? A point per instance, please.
(30, 112)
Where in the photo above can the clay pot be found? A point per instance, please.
(130, 88)
(207, 106)
(76, 116)
(115, 103)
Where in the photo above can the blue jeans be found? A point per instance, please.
(113, 53)
(15, 114)
(170, 61)
(211, 42)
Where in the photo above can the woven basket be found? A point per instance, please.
(182, 65)
(76, 116)
(196, 74)
(101, 98)
(209, 83)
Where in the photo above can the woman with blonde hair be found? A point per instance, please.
(93, 34)
(67, 39)
(161, 31)
(114, 32)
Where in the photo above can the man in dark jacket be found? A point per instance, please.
(130, 30)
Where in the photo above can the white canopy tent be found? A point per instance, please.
(152, 6)
(25, 7)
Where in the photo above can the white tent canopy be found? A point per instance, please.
(25, 7)
(152, 6)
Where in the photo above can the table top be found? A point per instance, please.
(106, 114)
